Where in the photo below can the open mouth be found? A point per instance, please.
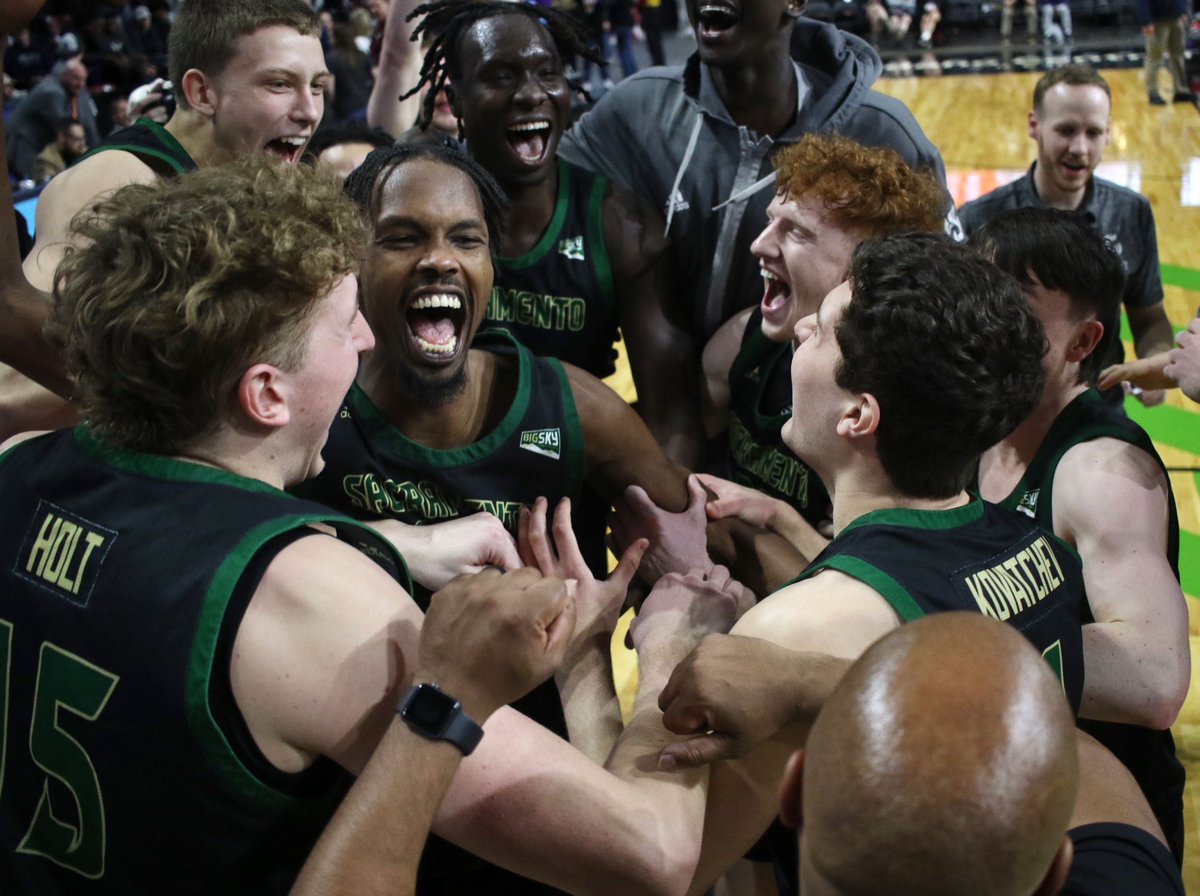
(777, 293)
(530, 140)
(435, 321)
(287, 149)
(714, 19)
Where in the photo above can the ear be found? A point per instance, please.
(1087, 337)
(198, 91)
(262, 397)
(1033, 124)
(1060, 867)
(860, 417)
(791, 791)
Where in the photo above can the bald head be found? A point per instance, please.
(73, 77)
(944, 763)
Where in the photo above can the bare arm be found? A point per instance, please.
(321, 657)
(661, 351)
(399, 70)
(1152, 332)
(374, 842)
(715, 363)
(1137, 655)
(618, 448)
(438, 553)
(1108, 792)
(831, 613)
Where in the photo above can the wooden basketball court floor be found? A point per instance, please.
(979, 124)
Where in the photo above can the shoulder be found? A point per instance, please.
(831, 612)
(977, 212)
(1121, 200)
(1098, 475)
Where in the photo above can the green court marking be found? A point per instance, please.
(1170, 426)
(1187, 278)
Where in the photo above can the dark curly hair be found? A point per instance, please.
(1061, 250)
(365, 183)
(445, 22)
(950, 349)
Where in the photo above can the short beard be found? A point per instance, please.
(433, 391)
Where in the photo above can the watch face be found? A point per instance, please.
(429, 710)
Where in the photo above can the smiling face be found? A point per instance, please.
(803, 253)
(426, 278)
(736, 31)
(513, 97)
(812, 433)
(270, 96)
(1071, 131)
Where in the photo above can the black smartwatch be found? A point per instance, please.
(436, 715)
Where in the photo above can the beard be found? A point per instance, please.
(435, 391)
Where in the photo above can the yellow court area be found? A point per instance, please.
(979, 124)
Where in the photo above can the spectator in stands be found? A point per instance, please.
(350, 87)
(69, 144)
(28, 59)
(1162, 24)
(34, 124)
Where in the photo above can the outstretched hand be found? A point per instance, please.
(677, 540)
(598, 603)
(1144, 373)
(730, 499)
(491, 638)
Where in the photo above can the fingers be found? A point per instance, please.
(695, 751)
(627, 567)
(1152, 397)
(537, 550)
(697, 494)
(570, 561)
(1111, 376)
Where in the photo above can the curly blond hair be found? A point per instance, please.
(870, 189)
(178, 286)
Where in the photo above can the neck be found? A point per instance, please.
(531, 205)
(455, 423)
(1007, 460)
(761, 96)
(244, 454)
(1054, 198)
(857, 499)
(194, 133)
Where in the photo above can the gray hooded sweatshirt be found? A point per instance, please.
(666, 135)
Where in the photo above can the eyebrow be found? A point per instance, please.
(290, 73)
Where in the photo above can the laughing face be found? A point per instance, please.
(803, 253)
(426, 278)
(737, 31)
(270, 96)
(513, 97)
(1071, 130)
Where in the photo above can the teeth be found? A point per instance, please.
(767, 275)
(708, 7)
(438, 301)
(531, 126)
(446, 348)
(293, 141)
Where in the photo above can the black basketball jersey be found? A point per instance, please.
(760, 402)
(1148, 754)
(373, 472)
(557, 298)
(152, 143)
(127, 767)
(977, 557)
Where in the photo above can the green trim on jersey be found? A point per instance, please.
(549, 238)
(165, 467)
(930, 520)
(888, 588)
(571, 421)
(172, 155)
(595, 234)
(376, 426)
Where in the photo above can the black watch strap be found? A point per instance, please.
(434, 714)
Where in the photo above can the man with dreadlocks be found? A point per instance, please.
(579, 256)
(436, 427)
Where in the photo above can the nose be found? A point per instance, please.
(364, 338)
(439, 258)
(764, 244)
(530, 91)
(309, 106)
